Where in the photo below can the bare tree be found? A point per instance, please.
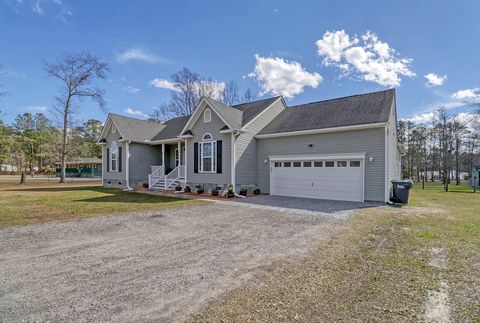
(76, 73)
(230, 94)
(249, 96)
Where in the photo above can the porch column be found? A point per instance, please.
(163, 165)
(179, 145)
(186, 163)
(163, 158)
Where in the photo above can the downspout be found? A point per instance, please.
(127, 166)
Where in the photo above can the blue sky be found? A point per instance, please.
(304, 50)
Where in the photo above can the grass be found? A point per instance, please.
(39, 201)
(376, 269)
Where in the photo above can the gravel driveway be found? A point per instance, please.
(158, 266)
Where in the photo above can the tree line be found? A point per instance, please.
(441, 148)
(33, 142)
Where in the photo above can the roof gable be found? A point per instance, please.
(132, 128)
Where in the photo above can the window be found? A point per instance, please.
(287, 164)
(113, 156)
(278, 164)
(307, 164)
(318, 164)
(354, 163)
(114, 129)
(342, 163)
(208, 154)
(177, 157)
(297, 164)
(207, 115)
(329, 164)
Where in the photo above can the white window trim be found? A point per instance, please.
(213, 155)
(205, 119)
(114, 129)
(113, 159)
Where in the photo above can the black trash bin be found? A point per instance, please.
(401, 190)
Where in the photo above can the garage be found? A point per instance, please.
(338, 177)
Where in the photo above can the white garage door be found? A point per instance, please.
(339, 179)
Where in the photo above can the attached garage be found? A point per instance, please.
(339, 177)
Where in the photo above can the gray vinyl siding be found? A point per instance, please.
(113, 179)
(246, 147)
(142, 157)
(199, 129)
(370, 141)
(393, 153)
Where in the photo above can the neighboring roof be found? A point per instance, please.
(136, 129)
(172, 128)
(80, 161)
(252, 109)
(232, 116)
(348, 111)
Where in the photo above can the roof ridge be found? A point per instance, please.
(123, 116)
(342, 97)
(270, 98)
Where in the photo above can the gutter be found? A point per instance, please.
(127, 166)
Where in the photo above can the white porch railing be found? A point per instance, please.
(181, 171)
(156, 175)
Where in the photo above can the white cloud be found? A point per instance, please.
(133, 112)
(164, 84)
(467, 94)
(131, 89)
(281, 77)
(208, 88)
(36, 108)
(423, 118)
(37, 8)
(139, 54)
(435, 79)
(371, 58)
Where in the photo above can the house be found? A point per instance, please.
(341, 149)
(81, 167)
(475, 178)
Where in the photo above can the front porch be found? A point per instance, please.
(172, 171)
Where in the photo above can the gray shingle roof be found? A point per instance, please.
(172, 128)
(233, 116)
(252, 109)
(348, 111)
(136, 129)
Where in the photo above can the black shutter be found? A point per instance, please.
(219, 156)
(195, 157)
(108, 159)
(119, 158)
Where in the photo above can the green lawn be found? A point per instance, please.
(376, 269)
(39, 201)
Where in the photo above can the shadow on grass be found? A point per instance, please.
(65, 189)
(132, 197)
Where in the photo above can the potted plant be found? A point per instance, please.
(230, 192)
(215, 191)
(199, 189)
(178, 188)
(243, 191)
(256, 191)
(187, 189)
